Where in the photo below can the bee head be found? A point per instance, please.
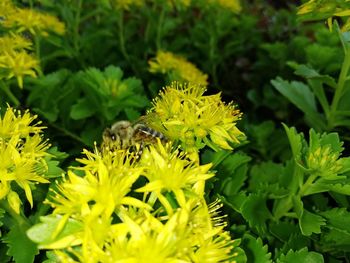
(121, 130)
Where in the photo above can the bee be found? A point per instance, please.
(128, 136)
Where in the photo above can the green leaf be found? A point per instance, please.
(82, 109)
(295, 141)
(337, 234)
(21, 248)
(235, 202)
(47, 93)
(255, 250)
(266, 177)
(308, 222)
(298, 93)
(302, 97)
(53, 165)
(323, 185)
(2, 213)
(326, 139)
(255, 211)
(269, 141)
(51, 258)
(54, 170)
(338, 217)
(52, 233)
(239, 254)
(310, 73)
(301, 256)
(231, 173)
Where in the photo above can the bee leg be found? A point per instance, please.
(140, 151)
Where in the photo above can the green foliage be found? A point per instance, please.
(256, 250)
(21, 248)
(301, 256)
(286, 191)
(86, 101)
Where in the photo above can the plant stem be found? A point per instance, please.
(213, 42)
(122, 42)
(307, 184)
(121, 35)
(160, 29)
(340, 88)
(37, 53)
(68, 133)
(9, 94)
(76, 27)
(20, 219)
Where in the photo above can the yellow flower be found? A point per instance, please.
(182, 113)
(170, 170)
(233, 5)
(6, 8)
(102, 190)
(326, 9)
(22, 153)
(18, 65)
(126, 4)
(177, 68)
(324, 162)
(12, 42)
(148, 241)
(207, 234)
(179, 3)
(23, 19)
(113, 227)
(14, 123)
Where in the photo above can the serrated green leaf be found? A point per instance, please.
(295, 140)
(283, 230)
(46, 87)
(338, 217)
(234, 201)
(337, 234)
(332, 139)
(255, 250)
(21, 248)
(240, 256)
(53, 169)
(265, 177)
(295, 241)
(301, 256)
(308, 222)
(82, 109)
(232, 172)
(255, 211)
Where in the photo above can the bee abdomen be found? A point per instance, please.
(153, 133)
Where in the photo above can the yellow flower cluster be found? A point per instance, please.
(182, 113)
(100, 219)
(327, 9)
(126, 4)
(15, 61)
(324, 162)
(177, 68)
(23, 19)
(233, 5)
(22, 153)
